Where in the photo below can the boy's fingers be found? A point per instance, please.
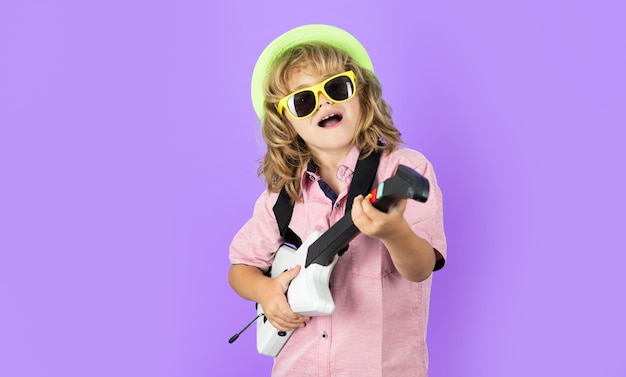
(356, 202)
(286, 277)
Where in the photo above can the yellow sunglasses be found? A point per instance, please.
(304, 102)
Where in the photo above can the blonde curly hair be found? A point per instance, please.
(287, 154)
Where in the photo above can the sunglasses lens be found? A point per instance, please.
(340, 88)
(302, 104)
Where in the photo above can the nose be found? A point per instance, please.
(322, 99)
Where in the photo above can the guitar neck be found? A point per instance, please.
(405, 184)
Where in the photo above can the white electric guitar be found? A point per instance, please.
(309, 292)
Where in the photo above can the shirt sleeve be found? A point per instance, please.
(257, 241)
(426, 219)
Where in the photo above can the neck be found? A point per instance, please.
(328, 165)
(330, 162)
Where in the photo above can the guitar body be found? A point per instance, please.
(308, 293)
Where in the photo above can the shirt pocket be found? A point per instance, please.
(368, 257)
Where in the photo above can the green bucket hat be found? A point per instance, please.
(331, 35)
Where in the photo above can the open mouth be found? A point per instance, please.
(330, 120)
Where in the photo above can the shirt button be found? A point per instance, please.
(337, 205)
(324, 335)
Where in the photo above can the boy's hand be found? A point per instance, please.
(274, 302)
(375, 223)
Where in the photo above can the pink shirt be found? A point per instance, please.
(379, 324)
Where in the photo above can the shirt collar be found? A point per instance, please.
(344, 172)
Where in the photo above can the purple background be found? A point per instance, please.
(128, 157)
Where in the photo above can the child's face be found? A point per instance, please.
(330, 130)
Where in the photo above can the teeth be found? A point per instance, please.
(328, 117)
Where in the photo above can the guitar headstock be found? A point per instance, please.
(406, 183)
